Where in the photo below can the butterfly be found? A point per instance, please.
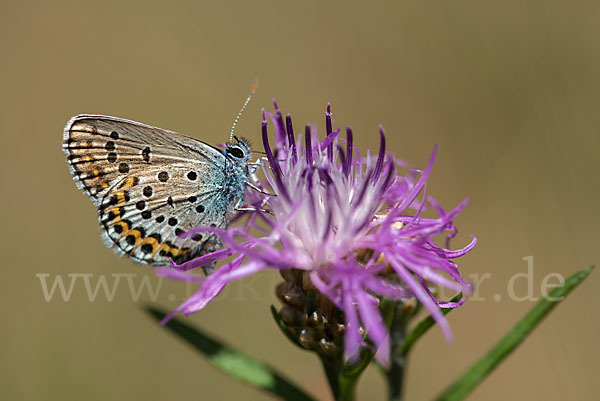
(150, 185)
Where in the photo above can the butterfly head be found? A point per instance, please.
(239, 149)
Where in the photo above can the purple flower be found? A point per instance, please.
(352, 223)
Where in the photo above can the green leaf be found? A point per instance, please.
(423, 326)
(475, 375)
(234, 363)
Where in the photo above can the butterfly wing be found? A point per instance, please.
(149, 186)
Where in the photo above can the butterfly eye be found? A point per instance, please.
(235, 152)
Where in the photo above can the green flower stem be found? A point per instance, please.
(480, 370)
(351, 373)
(402, 343)
(332, 365)
(395, 372)
(343, 377)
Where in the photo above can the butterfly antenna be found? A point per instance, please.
(252, 91)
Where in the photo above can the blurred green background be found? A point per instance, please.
(509, 90)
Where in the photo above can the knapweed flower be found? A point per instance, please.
(351, 224)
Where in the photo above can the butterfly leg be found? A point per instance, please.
(240, 208)
(257, 189)
(255, 165)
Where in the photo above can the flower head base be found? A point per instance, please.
(308, 316)
(350, 224)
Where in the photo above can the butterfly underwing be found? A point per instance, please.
(151, 185)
